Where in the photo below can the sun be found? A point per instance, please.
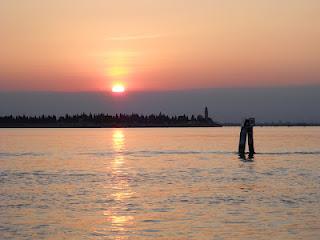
(118, 88)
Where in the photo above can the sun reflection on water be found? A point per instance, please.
(118, 216)
(118, 140)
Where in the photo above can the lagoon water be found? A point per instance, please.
(183, 183)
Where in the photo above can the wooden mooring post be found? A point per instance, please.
(246, 129)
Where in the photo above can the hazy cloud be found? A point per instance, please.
(231, 105)
(135, 37)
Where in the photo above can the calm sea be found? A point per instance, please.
(184, 183)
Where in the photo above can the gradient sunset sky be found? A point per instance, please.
(89, 45)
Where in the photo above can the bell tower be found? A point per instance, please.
(206, 114)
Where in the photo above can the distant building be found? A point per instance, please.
(206, 114)
(200, 118)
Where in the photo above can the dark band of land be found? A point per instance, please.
(106, 121)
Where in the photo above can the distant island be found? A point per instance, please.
(107, 121)
(277, 124)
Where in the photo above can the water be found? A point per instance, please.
(184, 183)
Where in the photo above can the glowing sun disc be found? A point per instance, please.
(118, 89)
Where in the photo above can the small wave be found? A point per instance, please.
(290, 153)
(177, 152)
(21, 154)
(100, 154)
(155, 153)
(146, 153)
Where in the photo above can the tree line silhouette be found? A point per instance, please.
(105, 120)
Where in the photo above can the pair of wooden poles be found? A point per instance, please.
(246, 130)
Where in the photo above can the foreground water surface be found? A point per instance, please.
(184, 183)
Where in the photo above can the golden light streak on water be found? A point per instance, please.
(121, 191)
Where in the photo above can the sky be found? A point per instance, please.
(168, 45)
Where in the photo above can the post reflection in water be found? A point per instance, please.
(118, 215)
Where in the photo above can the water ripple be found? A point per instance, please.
(22, 154)
(145, 153)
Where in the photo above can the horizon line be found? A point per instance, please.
(163, 90)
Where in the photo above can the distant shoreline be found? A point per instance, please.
(278, 125)
(107, 121)
(149, 126)
(107, 126)
(3, 127)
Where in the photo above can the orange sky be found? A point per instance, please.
(86, 45)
